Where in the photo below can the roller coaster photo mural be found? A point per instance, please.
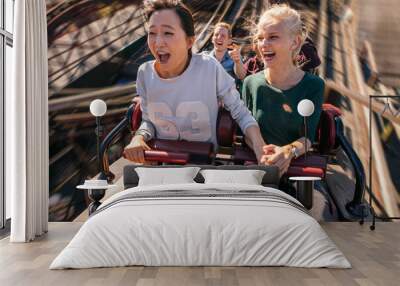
(95, 49)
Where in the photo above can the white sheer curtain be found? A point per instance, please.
(27, 124)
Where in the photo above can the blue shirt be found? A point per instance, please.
(227, 63)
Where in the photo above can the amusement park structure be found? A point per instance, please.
(96, 47)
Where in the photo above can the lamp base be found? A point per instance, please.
(304, 192)
(95, 196)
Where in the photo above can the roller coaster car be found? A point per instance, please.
(330, 137)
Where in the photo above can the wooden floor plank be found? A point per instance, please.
(374, 255)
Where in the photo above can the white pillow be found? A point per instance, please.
(163, 176)
(248, 177)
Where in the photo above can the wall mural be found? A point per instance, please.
(96, 47)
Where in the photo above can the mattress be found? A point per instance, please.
(201, 225)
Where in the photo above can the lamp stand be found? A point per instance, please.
(99, 134)
(95, 196)
(305, 135)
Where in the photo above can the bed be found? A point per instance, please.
(201, 224)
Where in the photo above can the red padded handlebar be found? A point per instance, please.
(167, 157)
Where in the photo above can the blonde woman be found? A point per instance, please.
(272, 95)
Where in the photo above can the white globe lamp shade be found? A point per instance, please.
(98, 107)
(305, 107)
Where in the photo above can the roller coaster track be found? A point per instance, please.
(74, 54)
(205, 35)
(342, 71)
(67, 11)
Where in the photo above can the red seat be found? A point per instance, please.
(326, 133)
(296, 171)
(136, 117)
(181, 152)
(312, 166)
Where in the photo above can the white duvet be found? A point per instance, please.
(206, 230)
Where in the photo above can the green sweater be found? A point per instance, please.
(276, 110)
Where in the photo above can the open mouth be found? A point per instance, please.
(163, 57)
(269, 56)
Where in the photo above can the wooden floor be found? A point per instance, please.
(374, 255)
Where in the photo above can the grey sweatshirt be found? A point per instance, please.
(186, 107)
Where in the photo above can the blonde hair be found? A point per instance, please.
(227, 26)
(292, 20)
